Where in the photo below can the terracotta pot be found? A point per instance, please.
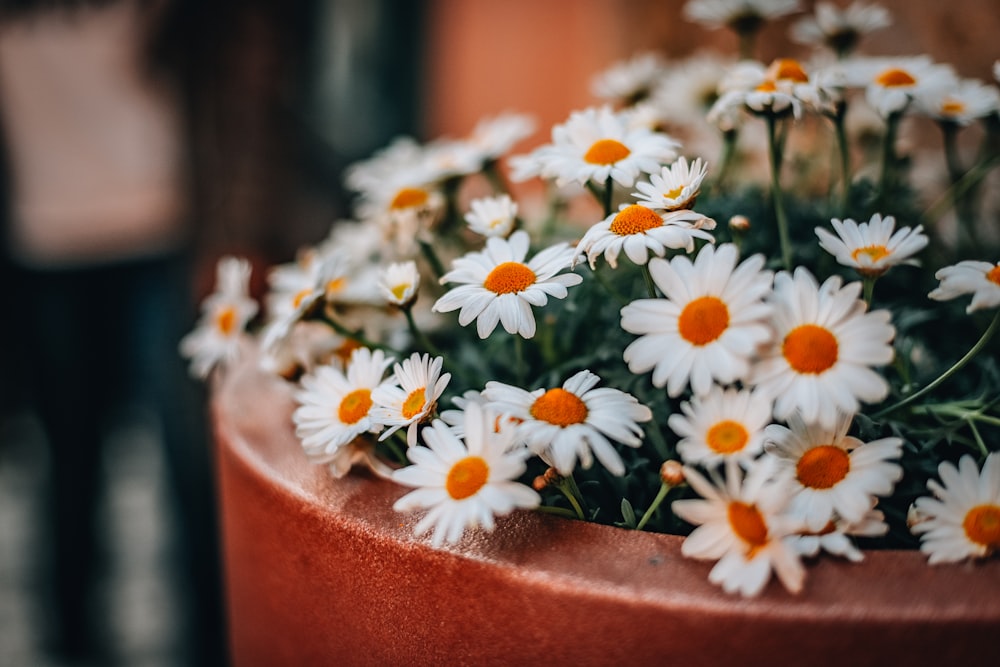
(321, 571)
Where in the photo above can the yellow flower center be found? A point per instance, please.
(873, 252)
(409, 198)
(635, 219)
(675, 193)
(336, 285)
(399, 291)
(994, 275)
(952, 107)
(606, 151)
(787, 69)
(414, 403)
(766, 87)
(300, 297)
(703, 320)
(496, 222)
(982, 525)
(810, 349)
(823, 467)
(509, 277)
(895, 78)
(727, 437)
(355, 406)
(748, 524)
(466, 477)
(225, 320)
(560, 407)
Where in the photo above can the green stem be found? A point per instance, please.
(418, 335)
(776, 197)
(609, 188)
(558, 511)
(979, 438)
(729, 138)
(843, 148)
(650, 284)
(570, 490)
(980, 344)
(969, 181)
(869, 289)
(395, 449)
(496, 179)
(519, 366)
(887, 180)
(603, 281)
(660, 495)
(427, 250)
(963, 210)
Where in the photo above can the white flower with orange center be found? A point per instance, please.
(709, 325)
(892, 83)
(410, 399)
(639, 230)
(492, 216)
(724, 424)
(872, 247)
(835, 537)
(966, 101)
(780, 88)
(335, 407)
(832, 474)
(840, 28)
(980, 279)
(399, 283)
(216, 339)
(466, 484)
(675, 187)
(962, 520)
(575, 421)
(597, 144)
(498, 286)
(825, 346)
(741, 524)
(630, 81)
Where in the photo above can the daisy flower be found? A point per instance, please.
(724, 424)
(399, 283)
(215, 341)
(574, 421)
(832, 473)
(630, 81)
(463, 484)
(964, 102)
(411, 397)
(492, 216)
(639, 230)
(455, 418)
(741, 524)
(962, 520)
(335, 407)
(840, 29)
(980, 279)
(709, 325)
(835, 537)
(871, 248)
(597, 144)
(732, 13)
(892, 83)
(781, 87)
(675, 187)
(496, 135)
(497, 286)
(825, 345)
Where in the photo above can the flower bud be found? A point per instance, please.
(672, 473)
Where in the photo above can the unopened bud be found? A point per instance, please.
(672, 473)
(739, 223)
(551, 477)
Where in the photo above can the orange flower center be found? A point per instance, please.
(895, 78)
(994, 275)
(414, 403)
(823, 467)
(336, 285)
(873, 252)
(509, 277)
(560, 407)
(635, 219)
(703, 320)
(409, 198)
(748, 524)
(466, 477)
(225, 320)
(727, 437)
(787, 69)
(952, 107)
(982, 525)
(355, 406)
(810, 349)
(606, 151)
(346, 349)
(766, 87)
(300, 297)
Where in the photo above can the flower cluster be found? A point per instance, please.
(640, 364)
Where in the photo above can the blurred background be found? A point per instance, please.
(140, 140)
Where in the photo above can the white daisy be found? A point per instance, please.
(498, 286)
(709, 325)
(721, 425)
(892, 83)
(216, 339)
(492, 216)
(630, 81)
(496, 135)
(410, 399)
(832, 473)
(962, 520)
(597, 144)
(675, 187)
(400, 155)
(639, 230)
(455, 418)
(871, 248)
(835, 537)
(573, 421)
(980, 279)
(335, 407)
(840, 29)
(741, 524)
(463, 484)
(720, 13)
(962, 103)
(825, 345)
(400, 282)
(782, 87)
